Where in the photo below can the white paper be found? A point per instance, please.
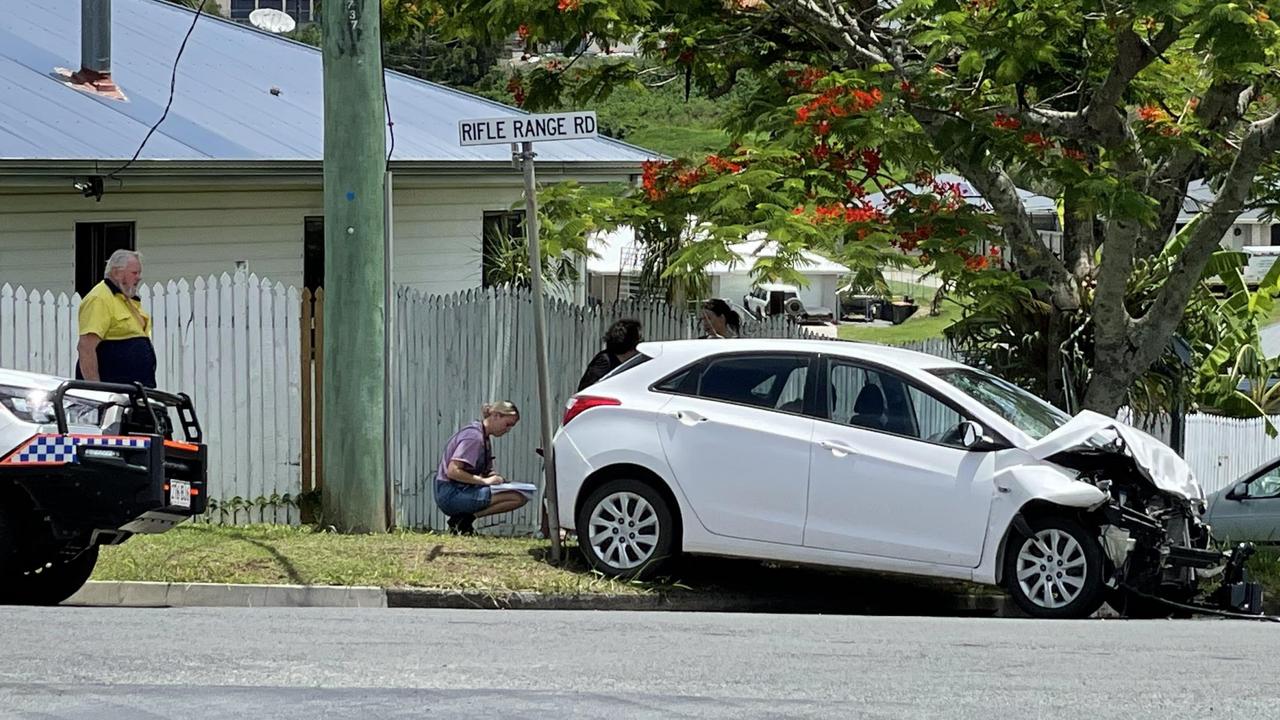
(526, 488)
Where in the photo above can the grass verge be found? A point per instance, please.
(273, 554)
(268, 554)
(920, 326)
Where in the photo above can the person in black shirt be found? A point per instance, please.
(619, 346)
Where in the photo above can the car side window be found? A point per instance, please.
(881, 401)
(937, 421)
(774, 382)
(1266, 485)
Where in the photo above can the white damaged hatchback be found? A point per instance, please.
(869, 457)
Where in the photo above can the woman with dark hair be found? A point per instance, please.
(719, 320)
(620, 343)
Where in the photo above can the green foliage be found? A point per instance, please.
(837, 128)
(563, 231)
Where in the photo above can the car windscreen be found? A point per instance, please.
(1025, 411)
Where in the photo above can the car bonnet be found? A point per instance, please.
(1159, 463)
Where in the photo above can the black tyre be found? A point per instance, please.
(1057, 572)
(8, 547)
(626, 529)
(52, 584)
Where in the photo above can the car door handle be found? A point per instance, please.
(688, 417)
(838, 449)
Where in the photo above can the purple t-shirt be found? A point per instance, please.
(468, 446)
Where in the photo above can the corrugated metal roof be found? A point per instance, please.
(1200, 197)
(223, 109)
(1034, 204)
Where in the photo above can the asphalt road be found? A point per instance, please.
(232, 663)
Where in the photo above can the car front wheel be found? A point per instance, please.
(50, 585)
(626, 529)
(1057, 571)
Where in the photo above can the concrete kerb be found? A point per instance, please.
(158, 594)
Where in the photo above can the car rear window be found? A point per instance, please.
(634, 361)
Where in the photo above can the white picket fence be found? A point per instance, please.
(456, 352)
(232, 344)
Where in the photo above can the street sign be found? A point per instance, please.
(521, 132)
(527, 128)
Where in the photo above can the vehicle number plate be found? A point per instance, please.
(180, 493)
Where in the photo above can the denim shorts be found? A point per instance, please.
(455, 498)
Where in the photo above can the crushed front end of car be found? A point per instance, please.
(1160, 555)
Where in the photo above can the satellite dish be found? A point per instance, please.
(271, 20)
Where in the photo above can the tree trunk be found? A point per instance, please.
(1113, 376)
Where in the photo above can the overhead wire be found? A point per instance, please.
(173, 83)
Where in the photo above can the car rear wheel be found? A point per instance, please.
(1057, 571)
(626, 529)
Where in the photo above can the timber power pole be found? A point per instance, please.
(354, 214)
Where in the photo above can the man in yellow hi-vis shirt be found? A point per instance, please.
(115, 332)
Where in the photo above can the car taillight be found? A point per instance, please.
(582, 403)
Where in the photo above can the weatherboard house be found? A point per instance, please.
(232, 178)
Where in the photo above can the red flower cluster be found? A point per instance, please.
(689, 178)
(720, 165)
(515, 86)
(836, 212)
(1006, 122)
(810, 77)
(523, 32)
(1152, 114)
(838, 103)
(1073, 154)
(651, 178)
(864, 214)
(910, 239)
(871, 160)
(569, 5)
(1037, 141)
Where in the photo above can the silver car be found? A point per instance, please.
(1249, 509)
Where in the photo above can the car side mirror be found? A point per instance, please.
(971, 434)
(1239, 492)
(974, 437)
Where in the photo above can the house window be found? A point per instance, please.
(1275, 234)
(313, 253)
(301, 10)
(94, 244)
(502, 236)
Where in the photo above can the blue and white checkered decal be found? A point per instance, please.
(62, 448)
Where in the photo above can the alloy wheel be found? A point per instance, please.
(1052, 568)
(623, 530)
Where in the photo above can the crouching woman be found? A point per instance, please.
(466, 476)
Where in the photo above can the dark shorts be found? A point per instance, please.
(455, 498)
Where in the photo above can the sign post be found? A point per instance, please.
(521, 132)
